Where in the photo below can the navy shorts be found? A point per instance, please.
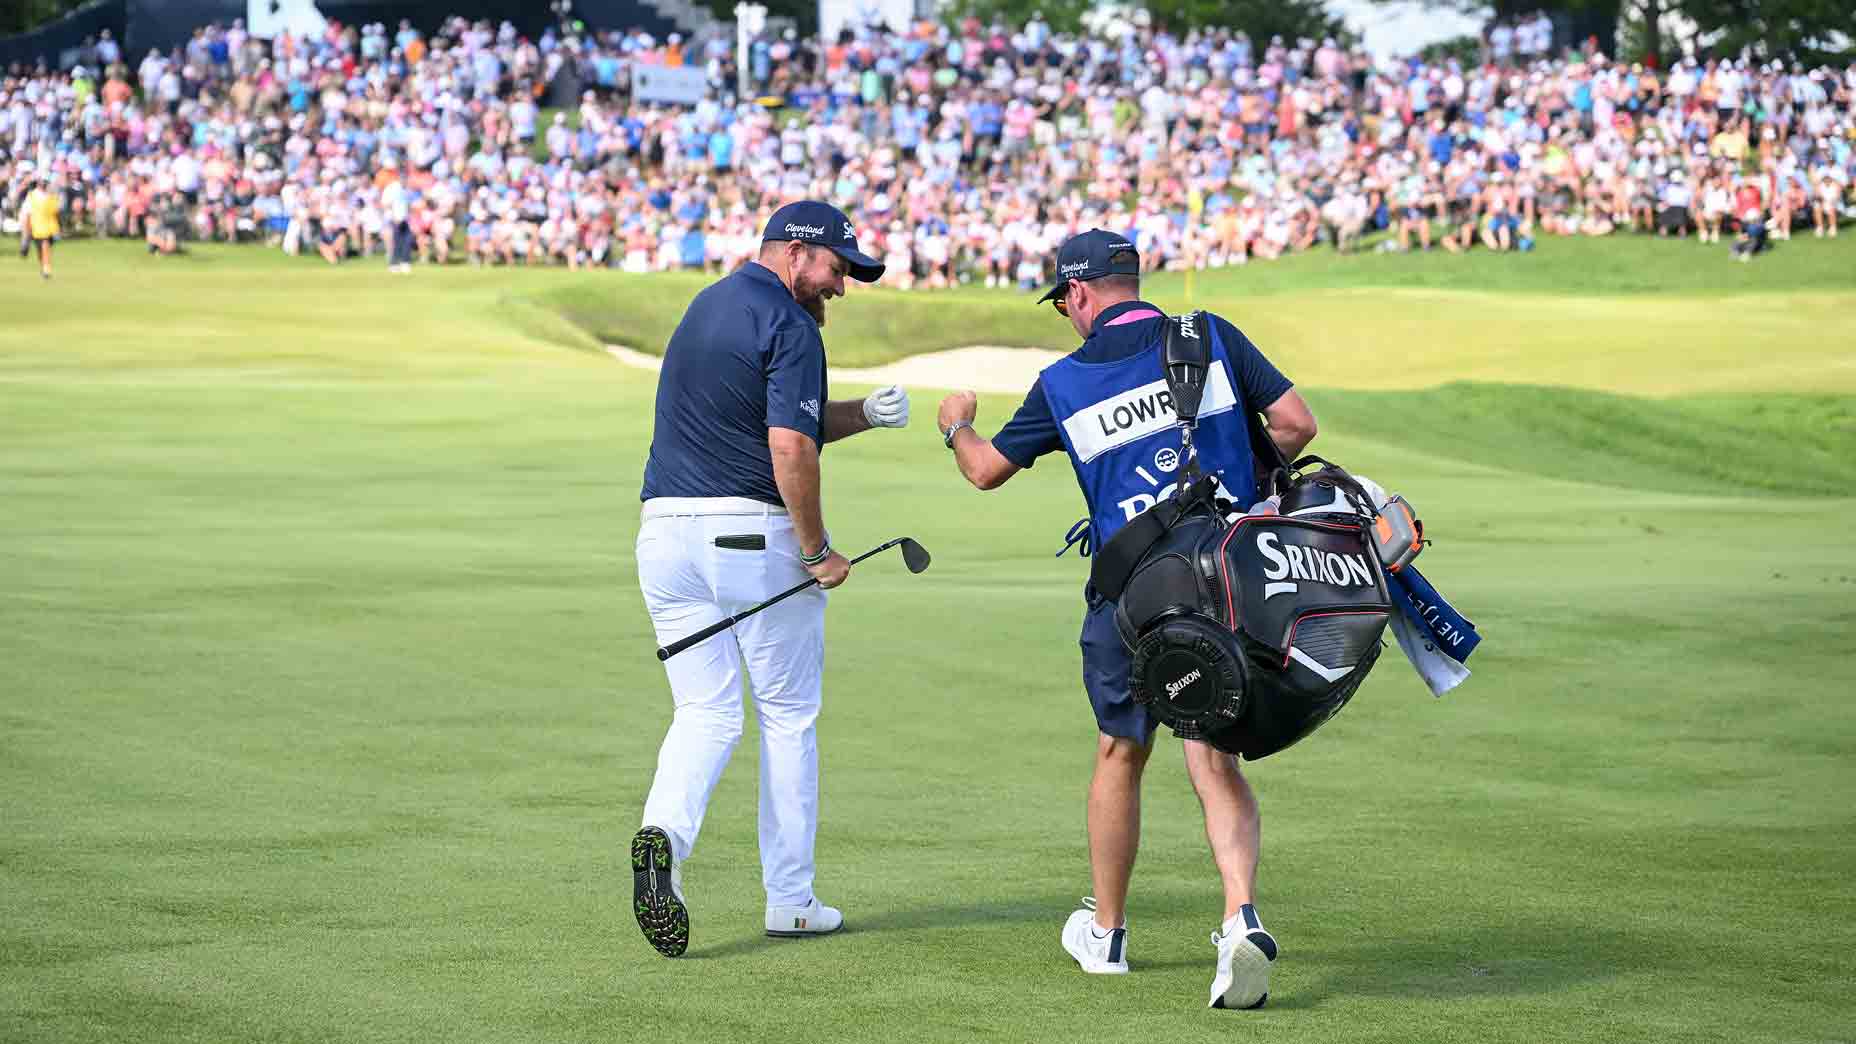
(1106, 662)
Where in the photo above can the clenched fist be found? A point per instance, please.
(960, 406)
(887, 408)
(834, 570)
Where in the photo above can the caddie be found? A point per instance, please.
(731, 516)
(1106, 405)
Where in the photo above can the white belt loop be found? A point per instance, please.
(694, 507)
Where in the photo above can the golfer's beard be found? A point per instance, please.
(812, 299)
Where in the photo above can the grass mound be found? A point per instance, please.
(1653, 316)
(867, 328)
(1791, 445)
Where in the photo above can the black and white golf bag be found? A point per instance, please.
(1247, 634)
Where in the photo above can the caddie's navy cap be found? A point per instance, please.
(1092, 255)
(810, 221)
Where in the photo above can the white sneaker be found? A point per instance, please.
(791, 922)
(1099, 954)
(1245, 953)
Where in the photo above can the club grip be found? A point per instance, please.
(667, 651)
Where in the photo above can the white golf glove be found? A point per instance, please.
(887, 407)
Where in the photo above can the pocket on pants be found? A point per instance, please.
(741, 542)
(737, 576)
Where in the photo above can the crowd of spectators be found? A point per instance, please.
(964, 153)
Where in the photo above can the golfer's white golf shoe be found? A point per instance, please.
(1245, 952)
(1098, 952)
(791, 922)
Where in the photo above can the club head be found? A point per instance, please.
(914, 555)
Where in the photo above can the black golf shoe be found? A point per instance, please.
(657, 893)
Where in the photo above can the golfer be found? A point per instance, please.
(732, 516)
(1105, 405)
(38, 220)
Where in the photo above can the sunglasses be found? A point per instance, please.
(1062, 304)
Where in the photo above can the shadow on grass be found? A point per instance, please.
(1490, 960)
(916, 918)
(1493, 960)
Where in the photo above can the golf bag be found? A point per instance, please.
(1246, 634)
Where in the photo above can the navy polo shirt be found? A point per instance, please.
(745, 358)
(1033, 431)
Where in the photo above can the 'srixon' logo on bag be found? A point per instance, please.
(1174, 688)
(1295, 562)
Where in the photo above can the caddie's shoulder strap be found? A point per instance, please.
(1186, 356)
(1272, 468)
(1185, 361)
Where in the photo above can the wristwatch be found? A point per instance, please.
(954, 429)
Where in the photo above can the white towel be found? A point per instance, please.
(1440, 672)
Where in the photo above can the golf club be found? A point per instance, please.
(914, 555)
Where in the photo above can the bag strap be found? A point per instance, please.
(1182, 332)
(1339, 476)
(1115, 560)
(1186, 357)
(1273, 469)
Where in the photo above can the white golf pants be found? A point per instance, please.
(689, 583)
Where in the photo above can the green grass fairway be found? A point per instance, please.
(328, 702)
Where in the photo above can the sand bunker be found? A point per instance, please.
(980, 368)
